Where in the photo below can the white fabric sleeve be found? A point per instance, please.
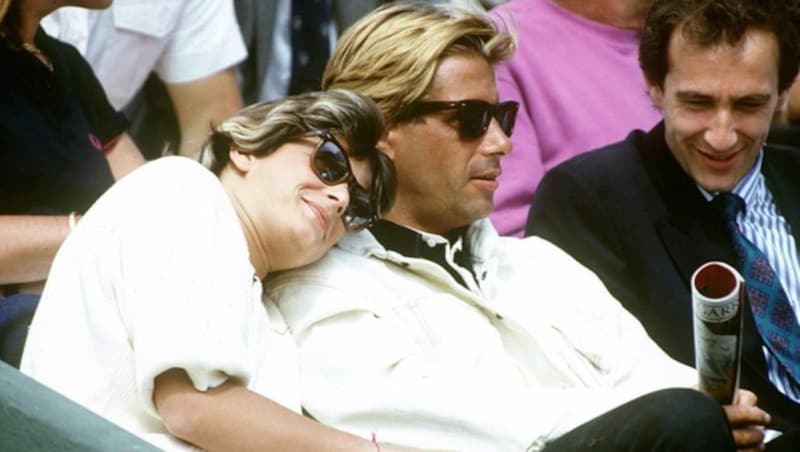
(206, 40)
(186, 291)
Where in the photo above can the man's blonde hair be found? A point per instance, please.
(392, 54)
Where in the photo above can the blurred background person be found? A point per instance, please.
(183, 51)
(576, 76)
(61, 146)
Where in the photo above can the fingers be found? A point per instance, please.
(749, 438)
(747, 421)
(745, 397)
(746, 415)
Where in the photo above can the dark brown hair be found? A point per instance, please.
(710, 22)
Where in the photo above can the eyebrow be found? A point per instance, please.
(696, 95)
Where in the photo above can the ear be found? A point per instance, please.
(385, 144)
(240, 160)
(783, 101)
(656, 95)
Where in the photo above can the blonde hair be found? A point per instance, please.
(4, 4)
(392, 54)
(263, 127)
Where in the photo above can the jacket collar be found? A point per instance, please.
(692, 232)
(480, 236)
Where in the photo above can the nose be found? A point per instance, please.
(495, 141)
(339, 194)
(721, 135)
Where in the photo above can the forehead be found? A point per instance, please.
(464, 77)
(752, 60)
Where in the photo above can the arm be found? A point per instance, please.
(124, 156)
(230, 417)
(28, 244)
(202, 103)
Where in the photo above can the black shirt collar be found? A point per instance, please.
(413, 244)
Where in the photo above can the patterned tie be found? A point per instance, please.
(310, 41)
(774, 316)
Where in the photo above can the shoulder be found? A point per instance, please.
(68, 55)
(176, 168)
(781, 155)
(610, 166)
(535, 264)
(347, 262)
(169, 180)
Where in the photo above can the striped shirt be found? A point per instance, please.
(766, 228)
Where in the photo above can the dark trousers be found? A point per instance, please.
(679, 420)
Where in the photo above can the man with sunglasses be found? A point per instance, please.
(431, 331)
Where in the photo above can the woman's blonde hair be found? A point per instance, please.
(392, 54)
(263, 127)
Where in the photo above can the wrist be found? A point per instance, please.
(72, 221)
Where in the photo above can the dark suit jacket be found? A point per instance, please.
(633, 216)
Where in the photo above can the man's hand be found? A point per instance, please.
(747, 421)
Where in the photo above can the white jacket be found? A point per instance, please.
(395, 346)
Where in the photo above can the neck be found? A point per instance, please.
(255, 246)
(23, 17)
(405, 218)
(625, 14)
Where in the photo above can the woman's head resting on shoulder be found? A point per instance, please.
(301, 171)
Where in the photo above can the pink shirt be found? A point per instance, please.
(579, 87)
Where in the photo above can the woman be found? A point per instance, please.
(152, 315)
(61, 146)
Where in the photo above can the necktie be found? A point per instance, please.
(774, 317)
(310, 28)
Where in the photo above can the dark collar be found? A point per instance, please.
(413, 244)
(407, 241)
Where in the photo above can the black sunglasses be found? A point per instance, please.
(474, 116)
(331, 165)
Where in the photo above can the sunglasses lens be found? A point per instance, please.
(507, 116)
(330, 163)
(359, 214)
(474, 119)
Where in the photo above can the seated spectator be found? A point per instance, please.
(429, 330)
(192, 46)
(643, 213)
(61, 146)
(274, 66)
(577, 80)
(152, 316)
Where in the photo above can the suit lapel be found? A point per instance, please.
(692, 233)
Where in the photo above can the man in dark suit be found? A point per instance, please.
(639, 212)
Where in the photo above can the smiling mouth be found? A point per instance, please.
(322, 217)
(719, 157)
